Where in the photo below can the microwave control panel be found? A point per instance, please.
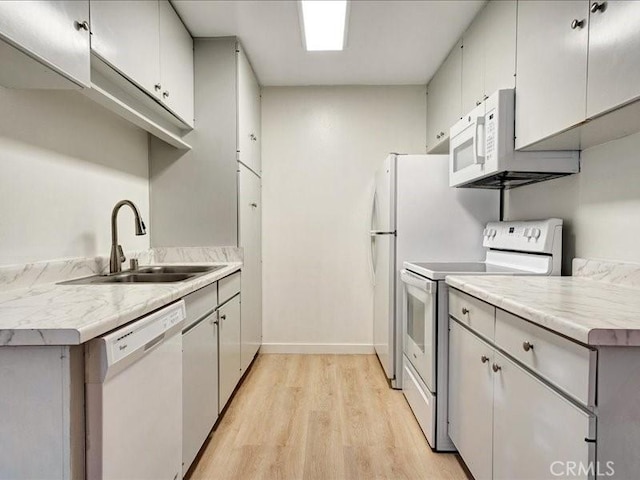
(491, 140)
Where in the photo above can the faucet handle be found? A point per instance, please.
(121, 254)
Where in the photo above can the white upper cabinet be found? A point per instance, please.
(146, 42)
(614, 55)
(126, 35)
(444, 101)
(248, 114)
(43, 37)
(176, 64)
(473, 58)
(551, 68)
(499, 45)
(489, 53)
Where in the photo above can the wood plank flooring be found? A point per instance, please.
(320, 417)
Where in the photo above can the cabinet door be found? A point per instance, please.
(52, 33)
(551, 68)
(473, 60)
(176, 64)
(614, 55)
(126, 35)
(536, 431)
(229, 331)
(250, 221)
(199, 386)
(249, 101)
(471, 398)
(499, 45)
(444, 101)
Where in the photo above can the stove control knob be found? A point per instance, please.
(485, 232)
(527, 233)
(493, 233)
(536, 233)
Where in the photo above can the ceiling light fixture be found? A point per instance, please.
(324, 24)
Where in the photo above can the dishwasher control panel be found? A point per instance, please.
(145, 333)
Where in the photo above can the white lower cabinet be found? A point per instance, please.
(199, 386)
(229, 331)
(507, 423)
(537, 433)
(471, 399)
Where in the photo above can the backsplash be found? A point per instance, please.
(31, 274)
(623, 274)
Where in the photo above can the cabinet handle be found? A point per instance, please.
(484, 359)
(438, 136)
(223, 317)
(254, 205)
(81, 25)
(496, 367)
(465, 310)
(253, 137)
(158, 87)
(485, 97)
(442, 134)
(577, 23)
(595, 6)
(165, 94)
(527, 346)
(478, 102)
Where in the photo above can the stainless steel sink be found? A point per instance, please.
(149, 274)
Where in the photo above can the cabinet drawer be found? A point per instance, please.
(566, 364)
(228, 287)
(200, 303)
(474, 313)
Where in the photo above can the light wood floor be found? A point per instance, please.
(325, 417)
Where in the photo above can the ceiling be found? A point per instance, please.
(388, 42)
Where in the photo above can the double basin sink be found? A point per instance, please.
(148, 274)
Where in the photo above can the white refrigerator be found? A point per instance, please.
(416, 216)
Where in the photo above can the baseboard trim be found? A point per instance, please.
(317, 348)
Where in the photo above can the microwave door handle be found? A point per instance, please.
(477, 158)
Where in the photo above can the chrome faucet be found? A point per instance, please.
(117, 254)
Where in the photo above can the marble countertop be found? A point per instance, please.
(52, 314)
(587, 310)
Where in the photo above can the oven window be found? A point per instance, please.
(415, 321)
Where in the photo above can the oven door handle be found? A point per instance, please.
(417, 281)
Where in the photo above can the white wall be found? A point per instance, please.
(64, 163)
(600, 205)
(321, 148)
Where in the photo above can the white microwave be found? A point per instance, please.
(481, 150)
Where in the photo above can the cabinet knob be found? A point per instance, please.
(465, 310)
(223, 317)
(253, 137)
(577, 23)
(484, 359)
(158, 87)
(165, 94)
(485, 97)
(254, 205)
(527, 346)
(81, 25)
(478, 102)
(595, 6)
(442, 134)
(496, 367)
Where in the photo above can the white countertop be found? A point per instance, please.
(589, 311)
(52, 314)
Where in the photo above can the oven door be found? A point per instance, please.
(419, 315)
(467, 148)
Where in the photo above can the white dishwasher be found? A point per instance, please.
(134, 399)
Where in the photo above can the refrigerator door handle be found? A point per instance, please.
(381, 232)
(372, 240)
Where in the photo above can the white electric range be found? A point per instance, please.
(513, 248)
